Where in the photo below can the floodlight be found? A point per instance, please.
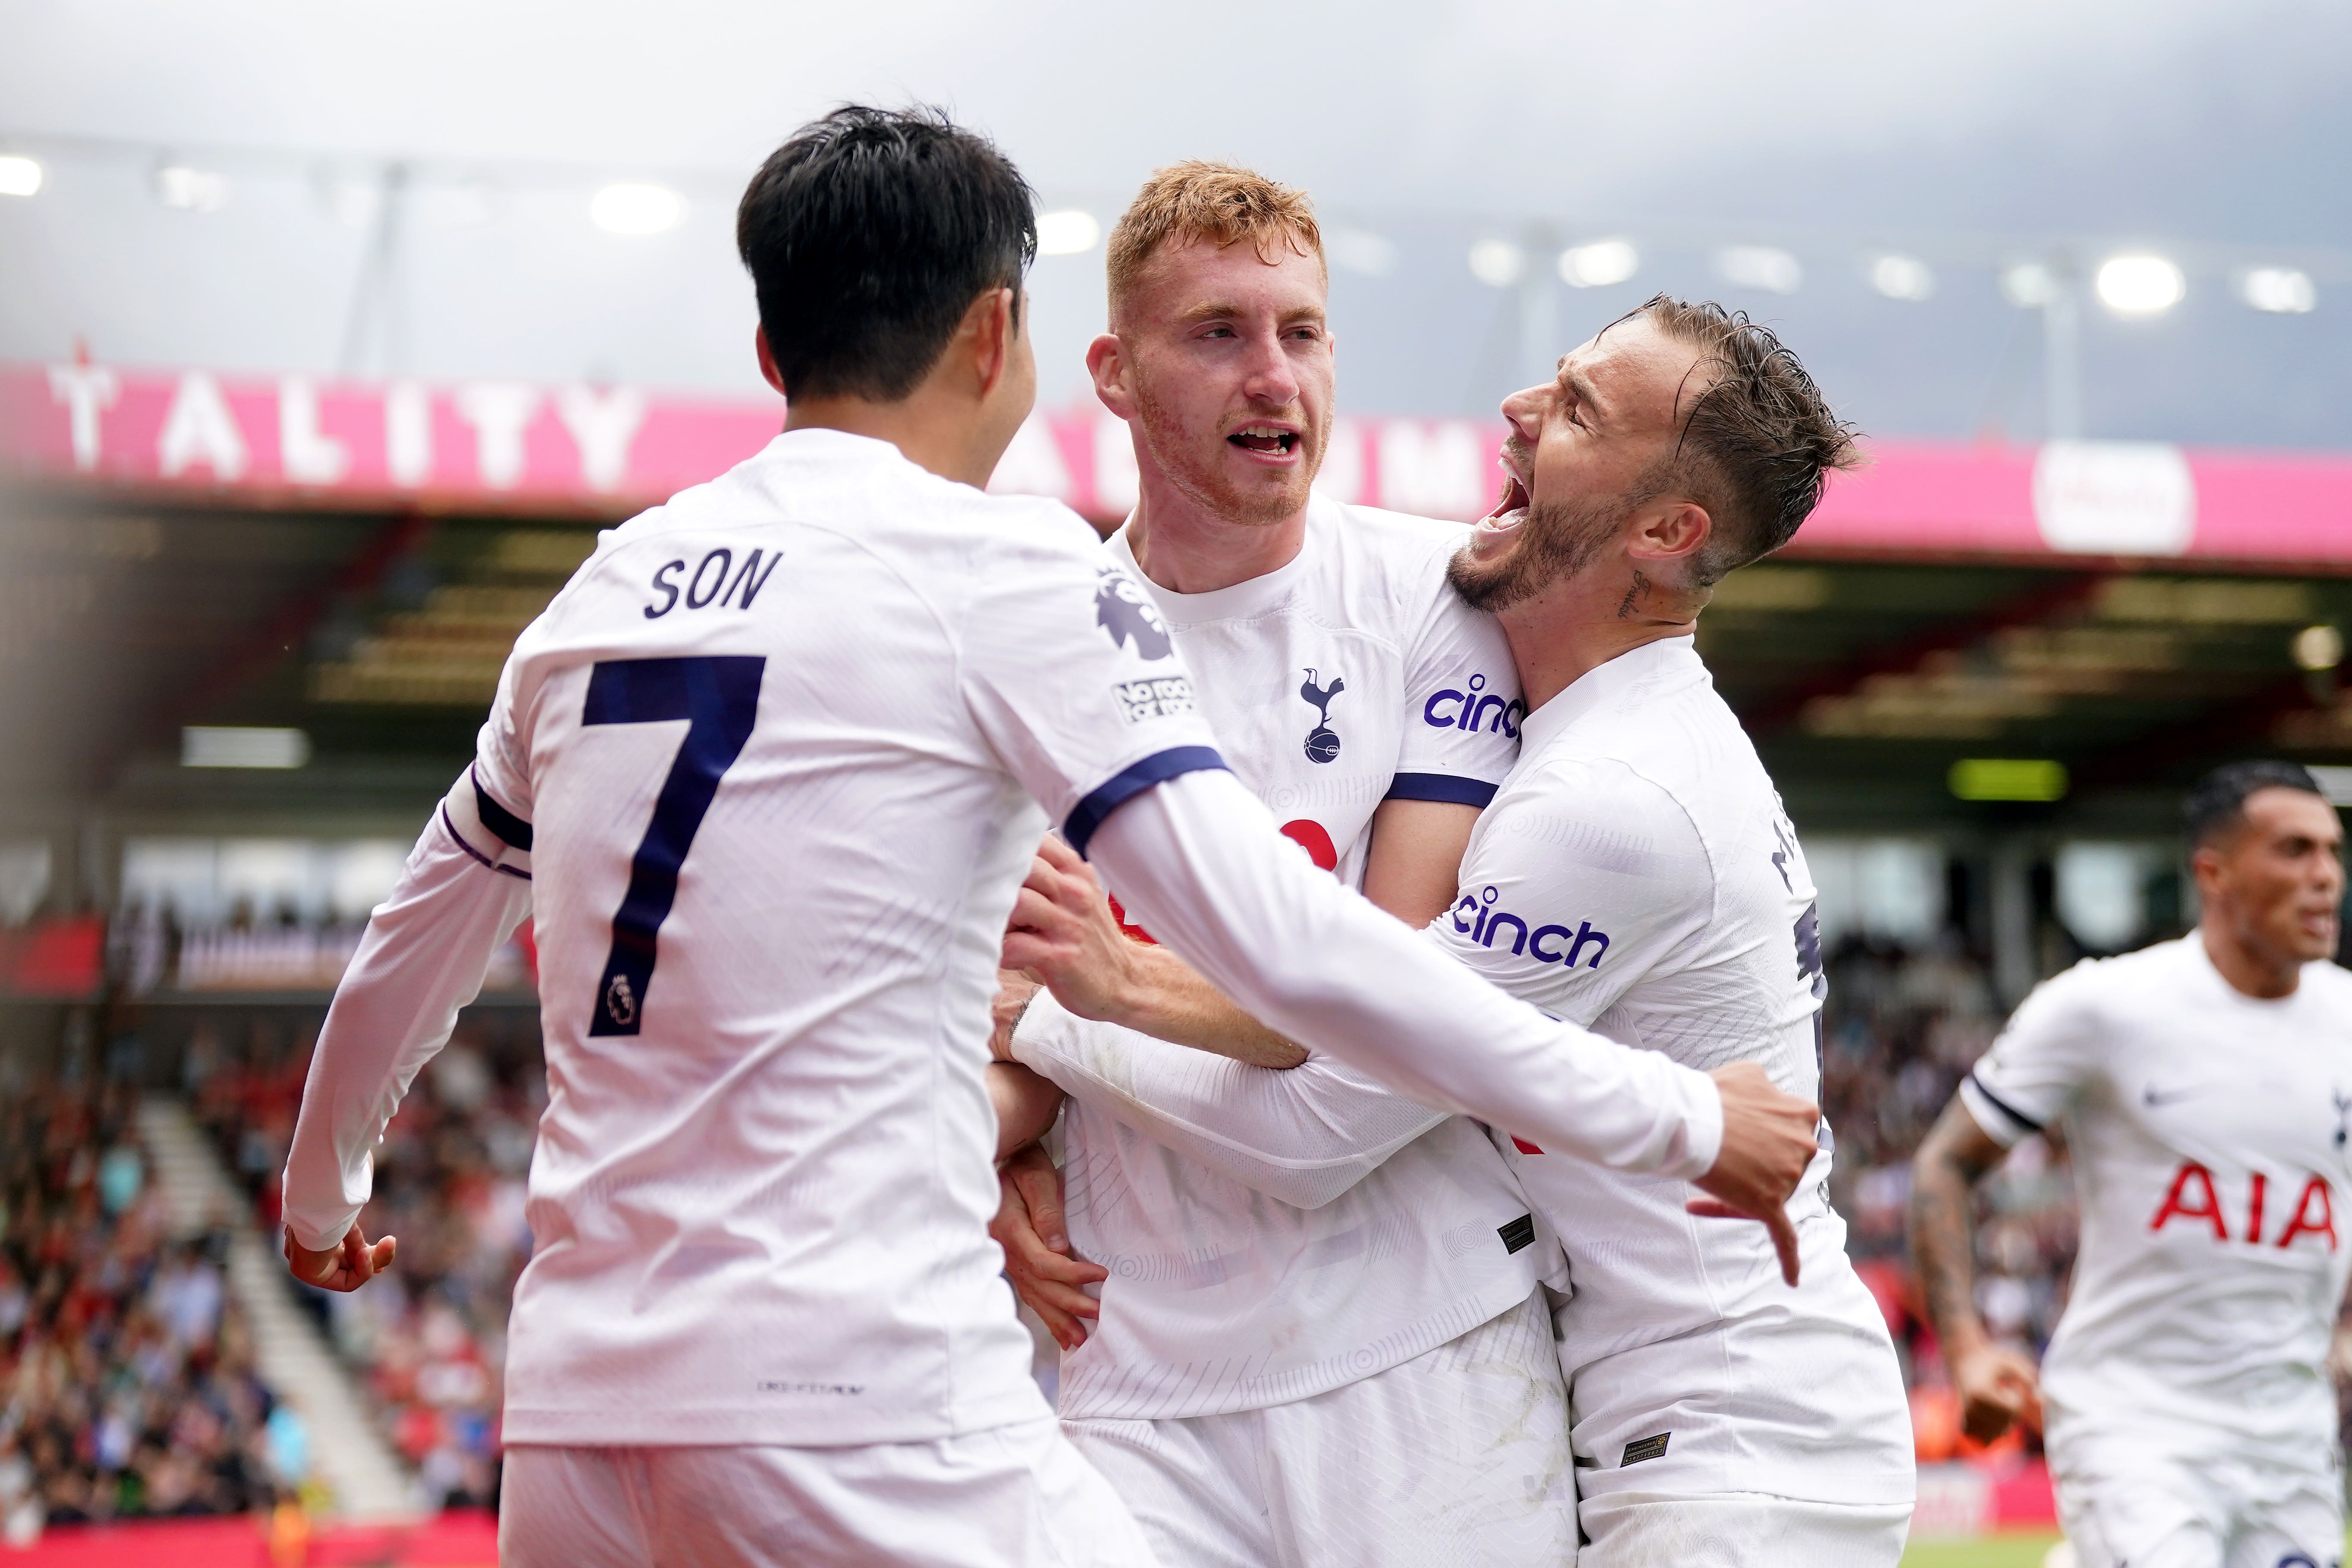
(1761, 266)
(2030, 284)
(1497, 263)
(2318, 647)
(2140, 285)
(637, 209)
(2283, 291)
(1902, 277)
(20, 177)
(191, 190)
(1599, 264)
(1066, 233)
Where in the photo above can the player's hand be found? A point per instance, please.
(1062, 935)
(344, 1268)
(1769, 1139)
(1037, 1243)
(1014, 992)
(1995, 1387)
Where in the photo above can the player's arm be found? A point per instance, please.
(1080, 954)
(1995, 1385)
(465, 888)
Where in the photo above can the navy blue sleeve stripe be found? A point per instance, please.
(499, 820)
(1157, 768)
(1441, 786)
(1998, 1103)
(477, 854)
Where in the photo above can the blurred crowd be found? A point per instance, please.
(428, 1337)
(129, 1382)
(1902, 1030)
(127, 1385)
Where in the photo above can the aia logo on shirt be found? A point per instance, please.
(1322, 742)
(2192, 1200)
(1124, 615)
(1476, 708)
(1486, 924)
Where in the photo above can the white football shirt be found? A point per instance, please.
(1636, 873)
(1349, 675)
(2207, 1132)
(773, 751)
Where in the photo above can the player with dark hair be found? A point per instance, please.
(2205, 1085)
(767, 775)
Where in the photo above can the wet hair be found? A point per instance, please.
(1220, 202)
(867, 235)
(1758, 444)
(2218, 804)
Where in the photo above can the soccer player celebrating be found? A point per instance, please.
(1324, 1357)
(2205, 1086)
(1636, 872)
(766, 775)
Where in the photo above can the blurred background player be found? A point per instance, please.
(747, 1333)
(1310, 1357)
(1637, 873)
(2205, 1087)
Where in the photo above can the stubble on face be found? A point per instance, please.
(1199, 474)
(1559, 540)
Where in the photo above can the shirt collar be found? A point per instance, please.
(1653, 664)
(1253, 596)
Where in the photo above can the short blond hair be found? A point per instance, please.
(1220, 202)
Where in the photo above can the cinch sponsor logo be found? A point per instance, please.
(1486, 924)
(1476, 708)
(2192, 1200)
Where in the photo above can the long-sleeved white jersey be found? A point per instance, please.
(1268, 1242)
(1636, 874)
(767, 774)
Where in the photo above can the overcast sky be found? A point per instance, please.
(1966, 132)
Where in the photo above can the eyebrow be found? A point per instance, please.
(1578, 383)
(1216, 309)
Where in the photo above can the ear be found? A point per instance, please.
(990, 323)
(2205, 865)
(1670, 530)
(775, 377)
(1107, 364)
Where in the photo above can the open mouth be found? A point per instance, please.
(1268, 441)
(1512, 510)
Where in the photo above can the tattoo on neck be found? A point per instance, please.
(1633, 595)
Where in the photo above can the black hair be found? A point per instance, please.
(869, 235)
(2218, 803)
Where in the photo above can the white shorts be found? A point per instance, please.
(1741, 1530)
(2124, 1498)
(1458, 1456)
(1016, 1496)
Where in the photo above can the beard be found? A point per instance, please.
(1555, 542)
(1204, 481)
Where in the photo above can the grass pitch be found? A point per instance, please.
(1998, 1551)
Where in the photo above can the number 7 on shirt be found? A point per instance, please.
(719, 698)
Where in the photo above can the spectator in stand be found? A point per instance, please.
(126, 1377)
(430, 1342)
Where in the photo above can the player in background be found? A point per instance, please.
(766, 775)
(2205, 1087)
(1636, 872)
(1320, 1359)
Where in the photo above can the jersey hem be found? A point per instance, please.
(748, 1427)
(1304, 1382)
